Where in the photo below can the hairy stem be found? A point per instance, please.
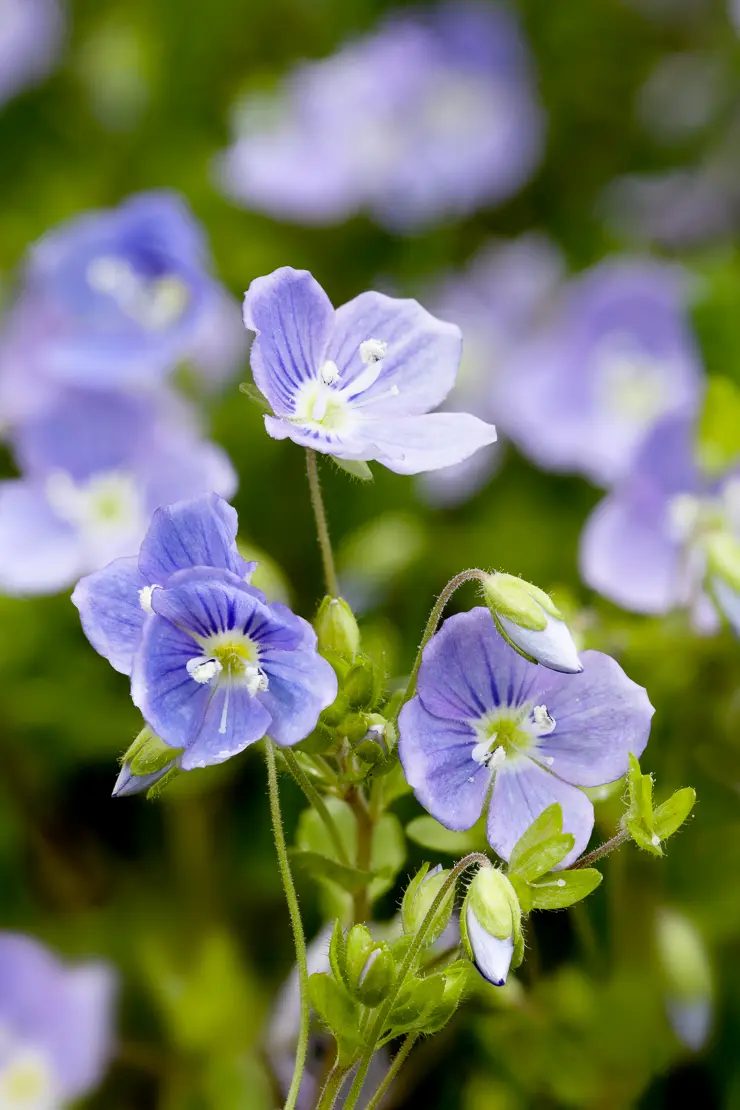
(398, 1061)
(331, 1088)
(602, 850)
(315, 799)
(322, 527)
(295, 920)
(365, 829)
(414, 948)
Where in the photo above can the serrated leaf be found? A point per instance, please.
(255, 396)
(351, 879)
(544, 856)
(356, 467)
(548, 824)
(564, 888)
(428, 833)
(669, 816)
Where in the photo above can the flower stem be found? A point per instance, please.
(315, 799)
(331, 1088)
(603, 850)
(322, 527)
(414, 948)
(398, 1061)
(431, 626)
(295, 920)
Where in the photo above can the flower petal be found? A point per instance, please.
(111, 612)
(293, 318)
(301, 685)
(39, 554)
(227, 728)
(551, 646)
(173, 704)
(328, 442)
(436, 755)
(422, 359)
(82, 1037)
(198, 532)
(413, 444)
(600, 716)
(468, 668)
(492, 956)
(521, 791)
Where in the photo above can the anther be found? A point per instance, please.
(203, 670)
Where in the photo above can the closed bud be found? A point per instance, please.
(377, 741)
(364, 683)
(146, 762)
(336, 629)
(490, 924)
(417, 902)
(530, 622)
(687, 978)
(370, 967)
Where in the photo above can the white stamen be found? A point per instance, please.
(329, 373)
(318, 412)
(544, 723)
(145, 598)
(256, 680)
(203, 670)
(373, 350)
(483, 755)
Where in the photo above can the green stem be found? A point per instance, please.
(295, 920)
(431, 626)
(398, 1061)
(318, 804)
(603, 850)
(332, 1087)
(322, 527)
(414, 948)
(365, 830)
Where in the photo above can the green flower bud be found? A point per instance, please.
(377, 741)
(370, 967)
(147, 761)
(336, 628)
(490, 924)
(530, 622)
(364, 683)
(418, 899)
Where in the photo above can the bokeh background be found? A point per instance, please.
(183, 895)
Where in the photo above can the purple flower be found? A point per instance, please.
(616, 357)
(358, 382)
(118, 296)
(496, 302)
(485, 718)
(30, 40)
(55, 1026)
(645, 545)
(96, 465)
(453, 124)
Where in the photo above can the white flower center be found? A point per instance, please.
(106, 509)
(229, 659)
(155, 304)
(27, 1080)
(634, 385)
(327, 405)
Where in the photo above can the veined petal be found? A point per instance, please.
(198, 532)
(232, 721)
(422, 359)
(172, 703)
(600, 716)
(413, 444)
(293, 318)
(301, 685)
(521, 791)
(492, 955)
(318, 439)
(111, 612)
(39, 554)
(436, 755)
(468, 668)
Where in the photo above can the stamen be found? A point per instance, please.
(544, 723)
(203, 670)
(257, 681)
(329, 373)
(483, 755)
(392, 392)
(145, 598)
(318, 412)
(373, 350)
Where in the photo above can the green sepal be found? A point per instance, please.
(319, 866)
(356, 467)
(364, 683)
(417, 1003)
(493, 900)
(338, 953)
(638, 820)
(256, 396)
(155, 790)
(150, 754)
(371, 968)
(542, 846)
(339, 1013)
(428, 833)
(521, 602)
(564, 888)
(417, 901)
(456, 981)
(337, 631)
(670, 815)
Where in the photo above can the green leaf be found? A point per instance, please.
(322, 867)
(339, 1012)
(312, 834)
(255, 396)
(564, 888)
(669, 816)
(549, 823)
(719, 428)
(648, 841)
(430, 834)
(544, 856)
(355, 467)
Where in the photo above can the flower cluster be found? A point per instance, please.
(110, 303)
(453, 124)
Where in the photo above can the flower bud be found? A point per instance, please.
(336, 629)
(418, 899)
(687, 978)
(370, 966)
(145, 763)
(363, 684)
(377, 741)
(490, 924)
(530, 622)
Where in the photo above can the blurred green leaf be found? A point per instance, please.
(430, 834)
(564, 888)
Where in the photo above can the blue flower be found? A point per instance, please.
(453, 125)
(358, 383)
(56, 1025)
(96, 465)
(487, 723)
(30, 39)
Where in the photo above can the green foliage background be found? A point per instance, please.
(183, 895)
